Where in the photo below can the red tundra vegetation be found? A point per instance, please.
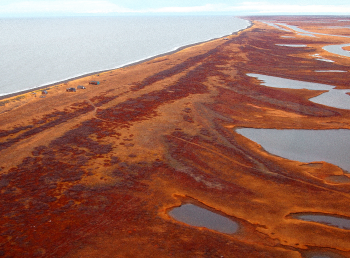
(95, 172)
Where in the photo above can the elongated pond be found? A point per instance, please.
(291, 45)
(321, 254)
(329, 220)
(331, 146)
(200, 217)
(338, 49)
(330, 71)
(332, 98)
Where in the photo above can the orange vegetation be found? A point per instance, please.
(93, 173)
(347, 48)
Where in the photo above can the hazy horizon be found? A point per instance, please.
(48, 8)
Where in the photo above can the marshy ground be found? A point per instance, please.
(94, 173)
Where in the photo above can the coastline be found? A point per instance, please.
(99, 170)
(15, 94)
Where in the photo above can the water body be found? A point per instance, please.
(330, 71)
(39, 51)
(275, 26)
(320, 254)
(278, 82)
(325, 60)
(339, 27)
(329, 220)
(334, 49)
(306, 35)
(320, 58)
(297, 29)
(332, 98)
(331, 146)
(291, 45)
(200, 217)
(338, 49)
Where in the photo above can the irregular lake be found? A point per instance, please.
(331, 146)
(334, 49)
(332, 98)
(334, 221)
(338, 49)
(200, 217)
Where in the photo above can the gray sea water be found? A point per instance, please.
(39, 51)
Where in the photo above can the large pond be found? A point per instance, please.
(199, 217)
(329, 220)
(338, 49)
(333, 97)
(331, 146)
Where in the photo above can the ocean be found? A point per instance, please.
(40, 51)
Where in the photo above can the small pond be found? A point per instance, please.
(320, 58)
(275, 26)
(331, 146)
(330, 71)
(326, 219)
(199, 217)
(332, 98)
(291, 45)
(325, 60)
(320, 254)
(307, 35)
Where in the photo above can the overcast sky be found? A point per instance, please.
(10, 8)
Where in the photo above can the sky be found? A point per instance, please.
(33, 8)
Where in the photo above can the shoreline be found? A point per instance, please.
(108, 163)
(137, 62)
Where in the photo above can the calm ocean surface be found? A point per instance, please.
(39, 51)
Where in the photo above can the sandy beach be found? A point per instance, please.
(94, 173)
